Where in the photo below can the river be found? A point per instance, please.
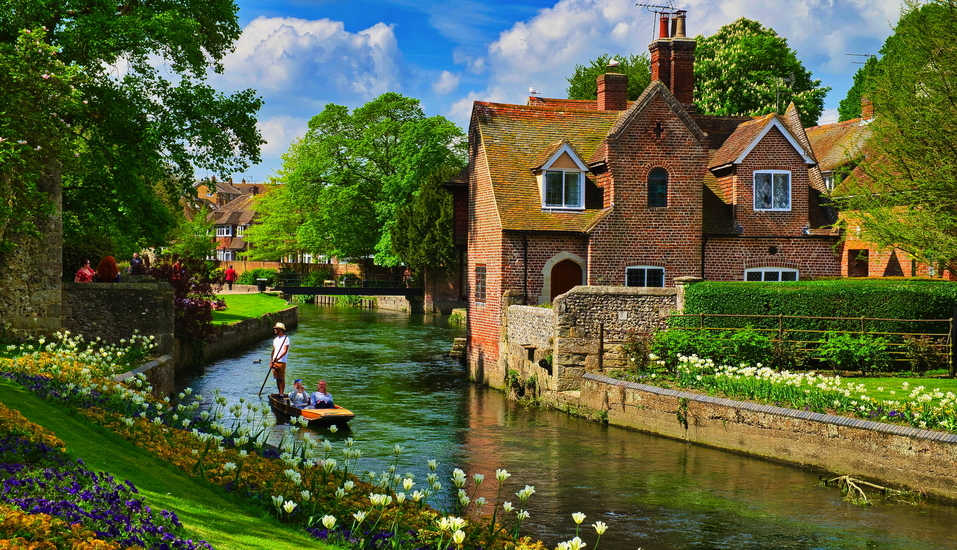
(393, 371)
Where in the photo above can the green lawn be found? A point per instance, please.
(247, 306)
(891, 388)
(206, 511)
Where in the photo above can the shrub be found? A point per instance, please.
(745, 346)
(249, 277)
(864, 353)
(670, 344)
(316, 278)
(924, 353)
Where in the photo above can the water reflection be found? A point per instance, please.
(657, 494)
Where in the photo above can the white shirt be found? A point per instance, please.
(280, 348)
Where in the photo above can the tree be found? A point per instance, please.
(907, 197)
(275, 233)
(424, 239)
(134, 127)
(193, 238)
(583, 83)
(850, 106)
(352, 170)
(747, 69)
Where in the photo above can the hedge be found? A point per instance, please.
(851, 298)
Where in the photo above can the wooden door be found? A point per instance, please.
(565, 275)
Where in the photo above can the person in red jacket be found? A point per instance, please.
(230, 277)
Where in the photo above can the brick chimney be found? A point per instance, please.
(612, 92)
(867, 108)
(672, 58)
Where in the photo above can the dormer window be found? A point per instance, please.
(561, 178)
(563, 189)
(772, 190)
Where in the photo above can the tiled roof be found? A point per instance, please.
(238, 211)
(740, 139)
(577, 104)
(227, 188)
(838, 144)
(514, 138)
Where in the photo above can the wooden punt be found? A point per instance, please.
(337, 415)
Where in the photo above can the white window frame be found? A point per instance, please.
(224, 231)
(646, 268)
(564, 175)
(240, 229)
(754, 190)
(828, 180)
(771, 269)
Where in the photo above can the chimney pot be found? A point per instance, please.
(663, 26)
(679, 24)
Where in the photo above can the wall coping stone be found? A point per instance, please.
(893, 429)
(142, 368)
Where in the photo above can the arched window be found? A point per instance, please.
(658, 188)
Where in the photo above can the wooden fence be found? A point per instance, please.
(944, 334)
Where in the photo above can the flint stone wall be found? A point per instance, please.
(898, 456)
(236, 336)
(112, 311)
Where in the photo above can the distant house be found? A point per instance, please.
(230, 208)
(569, 192)
(840, 148)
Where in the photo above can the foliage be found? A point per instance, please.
(352, 170)
(192, 281)
(907, 197)
(194, 238)
(424, 239)
(746, 68)
(583, 83)
(872, 298)
(250, 277)
(274, 235)
(850, 106)
(848, 352)
(147, 118)
(317, 277)
(39, 96)
(924, 353)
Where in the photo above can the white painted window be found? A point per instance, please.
(240, 229)
(641, 275)
(772, 190)
(224, 231)
(564, 189)
(771, 274)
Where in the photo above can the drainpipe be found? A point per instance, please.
(524, 269)
(704, 246)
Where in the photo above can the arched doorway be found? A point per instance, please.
(565, 275)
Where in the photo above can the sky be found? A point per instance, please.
(300, 55)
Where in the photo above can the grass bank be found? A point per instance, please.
(240, 307)
(206, 511)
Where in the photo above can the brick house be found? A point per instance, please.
(840, 148)
(569, 192)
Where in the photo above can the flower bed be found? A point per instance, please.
(303, 482)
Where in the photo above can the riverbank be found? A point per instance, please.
(206, 511)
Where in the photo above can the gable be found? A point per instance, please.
(748, 135)
(654, 90)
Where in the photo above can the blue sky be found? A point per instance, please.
(303, 54)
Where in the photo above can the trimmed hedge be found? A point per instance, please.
(853, 298)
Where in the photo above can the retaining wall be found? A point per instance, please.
(112, 311)
(235, 336)
(888, 454)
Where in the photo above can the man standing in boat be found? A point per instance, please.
(277, 362)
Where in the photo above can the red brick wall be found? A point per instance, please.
(774, 152)
(634, 234)
(727, 258)
(485, 248)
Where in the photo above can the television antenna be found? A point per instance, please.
(867, 55)
(658, 9)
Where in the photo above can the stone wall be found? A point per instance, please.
(30, 272)
(112, 311)
(235, 336)
(586, 330)
(888, 454)
(593, 323)
(160, 374)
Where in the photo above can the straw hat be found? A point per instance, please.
(280, 326)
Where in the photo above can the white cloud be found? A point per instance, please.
(446, 83)
(284, 55)
(279, 132)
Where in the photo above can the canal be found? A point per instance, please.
(393, 371)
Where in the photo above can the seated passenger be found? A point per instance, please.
(321, 399)
(298, 396)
